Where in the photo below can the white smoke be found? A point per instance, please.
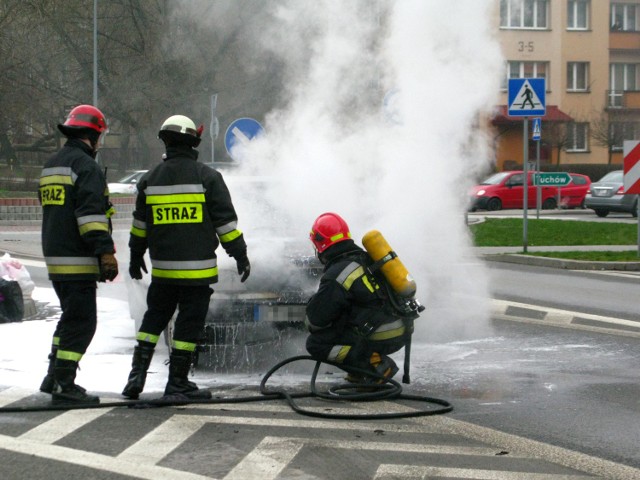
(380, 125)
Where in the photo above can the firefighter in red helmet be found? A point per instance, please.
(348, 318)
(183, 213)
(77, 246)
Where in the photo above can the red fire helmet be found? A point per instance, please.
(84, 116)
(328, 229)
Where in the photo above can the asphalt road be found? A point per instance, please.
(532, 398)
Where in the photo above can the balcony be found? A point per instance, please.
(623, 99)
(624, 40)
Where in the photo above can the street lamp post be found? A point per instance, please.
(95, 53)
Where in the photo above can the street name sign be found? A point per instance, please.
(551, 179)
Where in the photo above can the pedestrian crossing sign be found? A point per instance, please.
(526, 97)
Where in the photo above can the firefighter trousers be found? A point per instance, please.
(349, 347)
(79, 319)
(192, 302)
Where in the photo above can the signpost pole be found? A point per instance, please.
(538, 190)
(526, 97)
(525, 181)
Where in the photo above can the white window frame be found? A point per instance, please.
(577, 137)
(627, 13)
(625, 131)
(577, 76)
(628, 82)
(578, 17)
(519, 68)
(524, 14)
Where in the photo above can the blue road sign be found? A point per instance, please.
(537, 128)
(241, 131)
(526, 97)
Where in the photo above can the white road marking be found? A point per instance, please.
(63, 425)
(532, 448)
(267, 460)
(95, 460)
(13, 394)
(415, 471)
(161, 441)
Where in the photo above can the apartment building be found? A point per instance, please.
(588, 52)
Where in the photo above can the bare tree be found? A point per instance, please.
(156, 58)
(607, 132)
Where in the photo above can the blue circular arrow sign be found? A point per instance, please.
(241, 131)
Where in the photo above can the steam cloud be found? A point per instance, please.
(380, 124)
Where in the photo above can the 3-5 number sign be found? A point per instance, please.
(526, 47)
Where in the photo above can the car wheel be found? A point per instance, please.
(494, 204)
(549, 204)
(582, 205)
(634, 212)
(602, 213)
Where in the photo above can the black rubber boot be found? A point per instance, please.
(142, 356)
(48, 381)
(179, 366)
(65, 391)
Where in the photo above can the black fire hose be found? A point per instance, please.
(391, 390)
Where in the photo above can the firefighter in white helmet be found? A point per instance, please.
(183, 213)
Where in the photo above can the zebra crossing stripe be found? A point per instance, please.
(95, 460)
(13, 394)
(63, 425)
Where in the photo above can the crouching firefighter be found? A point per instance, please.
(357, 319)
(183, 213)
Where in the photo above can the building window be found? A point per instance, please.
(526, 70)
(621, 131)
(524, 13)
(578, 14)
(622, 76)
(577, 137)
(577, 76)
(624, 17)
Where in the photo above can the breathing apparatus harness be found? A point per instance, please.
(407, 309)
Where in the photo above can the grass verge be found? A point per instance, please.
(501, 232)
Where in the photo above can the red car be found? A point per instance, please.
(504, 190)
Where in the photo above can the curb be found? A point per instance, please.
(561, 263)
(525, 313)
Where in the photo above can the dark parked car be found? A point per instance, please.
(505, 190)
(607, 195)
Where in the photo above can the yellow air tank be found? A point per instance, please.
(392, 268)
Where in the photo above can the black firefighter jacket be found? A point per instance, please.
(75, 204)
(183, 212)
(349, 298)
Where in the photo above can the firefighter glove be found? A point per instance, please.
(137, 266)
(108, 267)
(244, 267)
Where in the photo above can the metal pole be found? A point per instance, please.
(538, 190)
(95, 53)
(638, 218)
(214, 126)
(525, 181)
